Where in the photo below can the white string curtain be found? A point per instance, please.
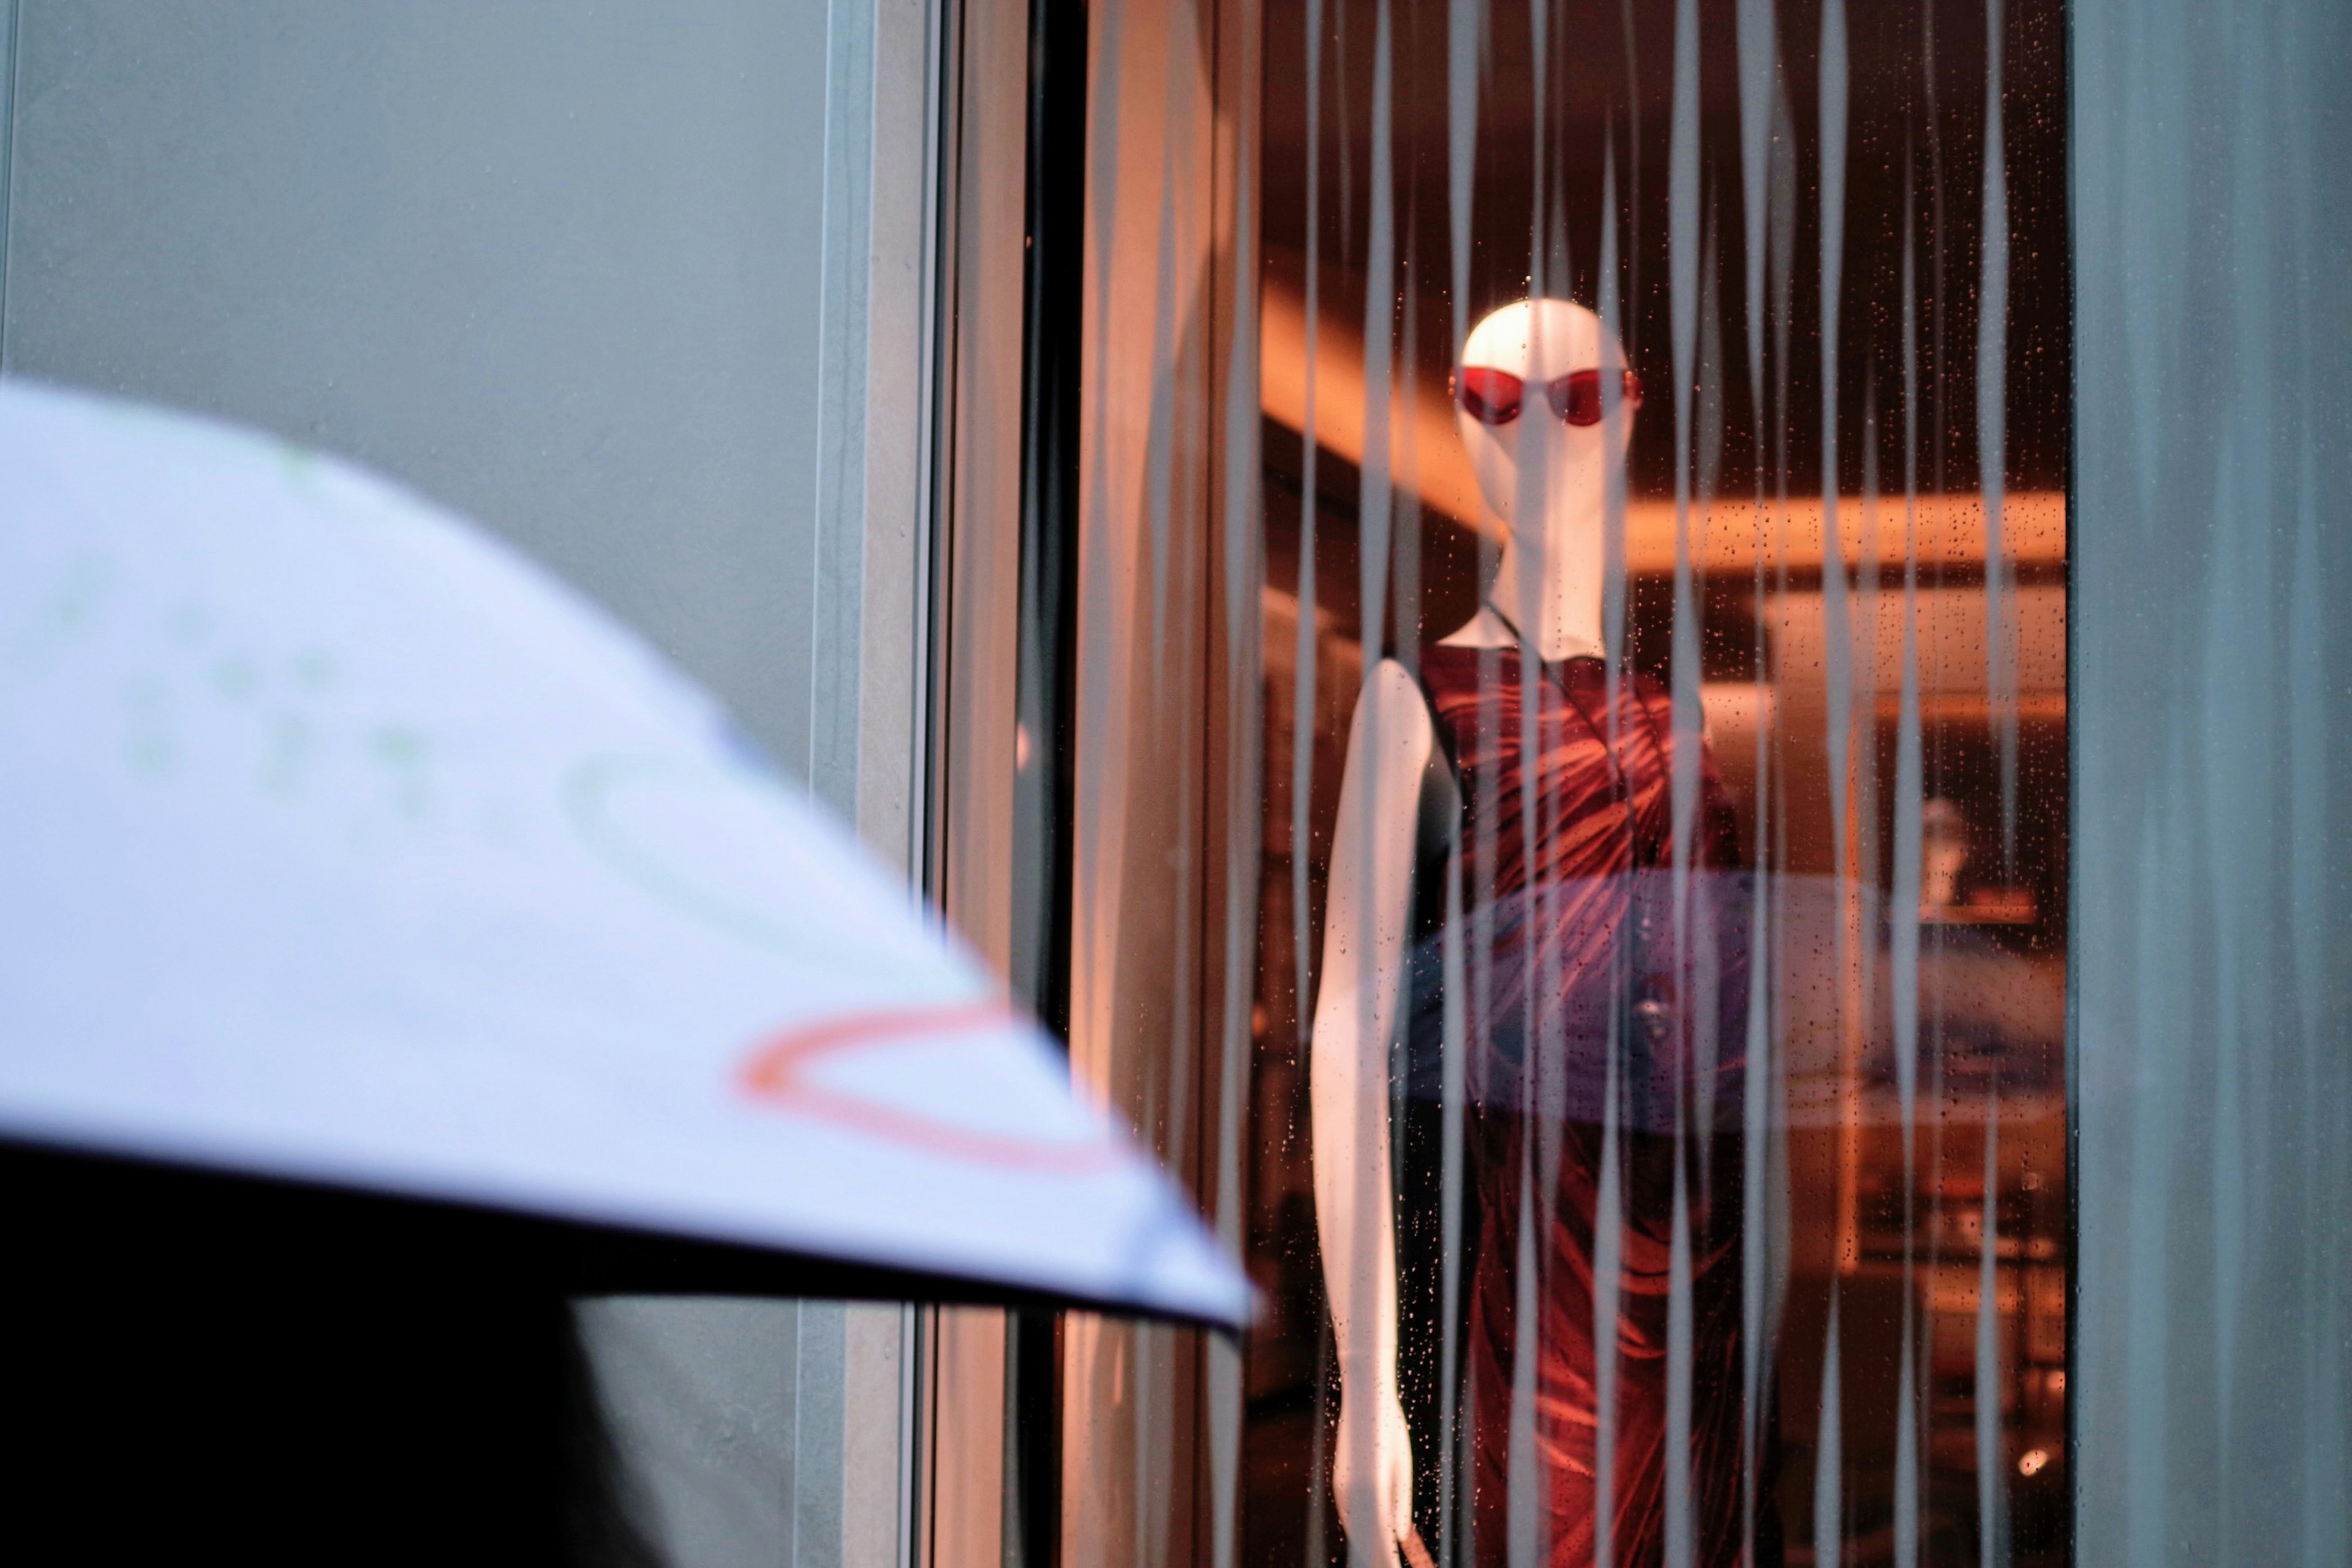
(1831, 240)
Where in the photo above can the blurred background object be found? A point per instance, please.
(349, 849)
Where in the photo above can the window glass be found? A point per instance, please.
(1573, 791)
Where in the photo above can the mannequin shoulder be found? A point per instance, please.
(1393, 682)
(1395, 700)
(1485, 629)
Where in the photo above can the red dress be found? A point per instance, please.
(1583, 940)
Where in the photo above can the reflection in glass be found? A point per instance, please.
(1572, 778)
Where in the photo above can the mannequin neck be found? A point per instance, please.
(1555, 607)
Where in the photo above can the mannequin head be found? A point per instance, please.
(1544, 441)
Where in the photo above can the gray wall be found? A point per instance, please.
(556, 265)
(765, 1432)
(2213, 694)
(630, 283)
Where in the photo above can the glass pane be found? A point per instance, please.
(1573, 793)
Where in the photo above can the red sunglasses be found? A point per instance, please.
(1493, 397)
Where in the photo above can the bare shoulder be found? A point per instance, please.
(1404, 712)
(1485, 629)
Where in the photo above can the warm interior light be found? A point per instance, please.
(1726, 536)
(2031, 1462)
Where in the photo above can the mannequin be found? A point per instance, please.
(1545, 406)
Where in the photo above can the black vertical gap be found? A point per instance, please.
(1033, 1502)
(1044, 787)
(1054, 285)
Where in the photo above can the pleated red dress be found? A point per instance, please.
(1595, 974)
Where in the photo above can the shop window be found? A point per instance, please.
(1570, 776)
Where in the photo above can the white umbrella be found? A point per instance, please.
(337, 843)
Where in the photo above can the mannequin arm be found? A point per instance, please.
(1365, 930)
